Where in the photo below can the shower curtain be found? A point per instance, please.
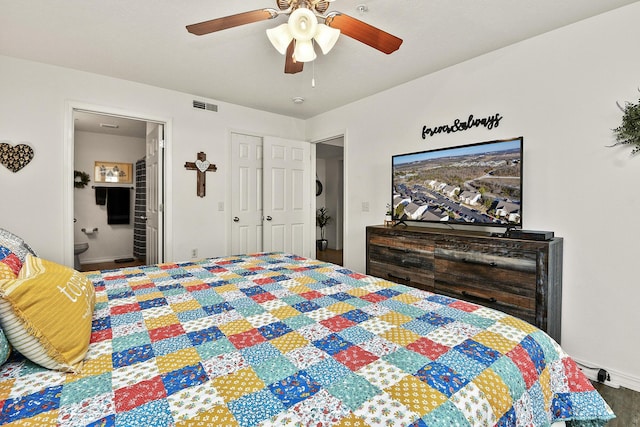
(139, 212)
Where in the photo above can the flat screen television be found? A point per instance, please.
(476, 184)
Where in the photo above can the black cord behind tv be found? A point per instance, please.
(477, 184)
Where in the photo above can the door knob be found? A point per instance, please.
(236, 219)
(269, 218)
(142, 217)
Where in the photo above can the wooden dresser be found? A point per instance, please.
(519, 277)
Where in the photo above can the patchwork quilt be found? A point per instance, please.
(274, 339)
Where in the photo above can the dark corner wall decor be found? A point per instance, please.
(15, 157)
(459, 125)
(80, 179)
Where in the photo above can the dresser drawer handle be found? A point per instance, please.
(394, 277)
(469, 261)
(469, 295)
(403, 250)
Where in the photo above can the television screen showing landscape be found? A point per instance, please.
(476, 184)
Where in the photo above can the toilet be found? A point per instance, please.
(78, 248)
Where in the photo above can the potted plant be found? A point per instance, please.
(389, 214)
(322, 219)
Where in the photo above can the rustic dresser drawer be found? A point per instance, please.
(501, 278)
(519, 277)
(402, 259)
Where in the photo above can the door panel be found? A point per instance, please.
(297, 238)
(154, 161)
(287, 192)
(277, 238)
(297, 190)
(278, 189)
(246, 190)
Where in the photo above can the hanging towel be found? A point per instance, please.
(139, 212)
(118, 205)
(101, 196)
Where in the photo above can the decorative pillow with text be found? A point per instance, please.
(46, 313)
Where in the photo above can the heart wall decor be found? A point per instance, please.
(15, 157)
(202, 165)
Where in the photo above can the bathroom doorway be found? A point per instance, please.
(116, 221)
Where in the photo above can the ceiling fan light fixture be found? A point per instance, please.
(303, 24)
(297, 37)
(326, 37)
(280, 37)
(304, 51)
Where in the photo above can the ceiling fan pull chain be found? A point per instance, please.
(313, 71)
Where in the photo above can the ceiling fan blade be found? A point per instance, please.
(363, 32)
(231, 21)
(291, 66)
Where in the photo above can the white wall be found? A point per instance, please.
(111, 241)
(559, 91)
(33, 104)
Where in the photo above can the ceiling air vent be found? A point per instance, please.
(205, 106)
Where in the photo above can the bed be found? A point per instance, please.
(274, 339)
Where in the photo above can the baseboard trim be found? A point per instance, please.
(617, 378)
(103, 260)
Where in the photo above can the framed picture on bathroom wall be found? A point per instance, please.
(118, 173)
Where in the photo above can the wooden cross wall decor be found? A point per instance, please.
(201, 165)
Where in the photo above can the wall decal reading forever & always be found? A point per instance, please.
(459, 125)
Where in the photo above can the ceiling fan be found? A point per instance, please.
(296, 38)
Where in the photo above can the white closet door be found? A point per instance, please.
(246, 194)
(286, 194)
(270, 195)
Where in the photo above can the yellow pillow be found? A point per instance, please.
(46, 314)
(6, 272)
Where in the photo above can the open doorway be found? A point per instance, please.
(330, 195)
(115, 214)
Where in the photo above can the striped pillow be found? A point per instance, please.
(5, 349)
(46, 313)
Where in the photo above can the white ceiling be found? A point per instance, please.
(146, 41)
(110, 125)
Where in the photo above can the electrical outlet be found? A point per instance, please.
(220, 206)
(603, 376)
(194, 253)
(598, 374)
(365, 206)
